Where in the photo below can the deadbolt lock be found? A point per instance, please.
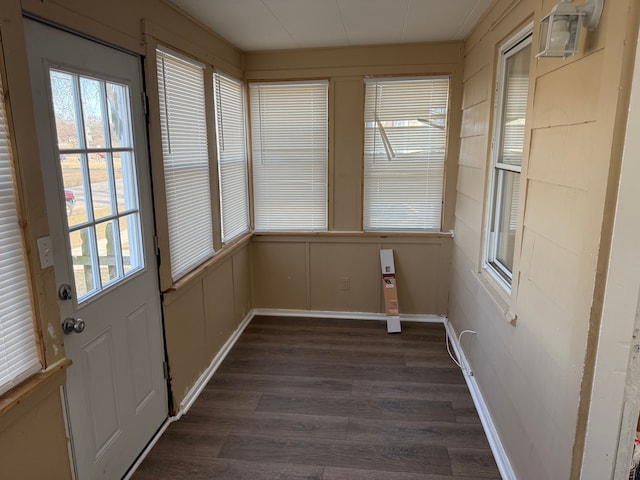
(64, 292)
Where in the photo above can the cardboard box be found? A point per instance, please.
(390, 295)
(390, 290)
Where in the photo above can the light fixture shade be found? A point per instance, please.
(560, 31)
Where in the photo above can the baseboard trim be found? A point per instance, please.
(281, 312)
(197, 388)
(499, 453)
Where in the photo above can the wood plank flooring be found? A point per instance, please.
(326, 399)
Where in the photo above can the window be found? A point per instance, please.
(289, 133)
(186, 161)
(508, 144)
(404, 150)
(18, 352)
(232, 155)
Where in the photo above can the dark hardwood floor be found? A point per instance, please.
(325, 399)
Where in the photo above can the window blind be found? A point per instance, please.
(289, 138)
(513, 119)
(186, 161)
(232, 155)
(405, 144)
(18, 352)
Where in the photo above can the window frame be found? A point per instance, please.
(218, 118)
(37, 361)
(210, 253)
(91, 223)
(388, 149)
(498, 272)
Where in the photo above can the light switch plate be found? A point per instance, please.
(45, 251)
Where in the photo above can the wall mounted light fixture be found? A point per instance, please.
(560, 30)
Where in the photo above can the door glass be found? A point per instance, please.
(74, 187)
(100, 177)
(92, 102)
(65, 109)
(97, 163)
(125, 178)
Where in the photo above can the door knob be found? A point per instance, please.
(71, 325)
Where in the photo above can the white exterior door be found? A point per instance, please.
(92, 139)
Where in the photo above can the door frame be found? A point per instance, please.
(144, 163)
(615, 397)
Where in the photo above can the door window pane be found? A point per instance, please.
(100, 175)
(109, 251)
(73, 171)
(125, 180)
(65, 108)
(97, 166)
(83, 254)
(131, 253)
(93, 112)
(119, 120)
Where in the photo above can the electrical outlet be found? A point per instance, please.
(345, 283)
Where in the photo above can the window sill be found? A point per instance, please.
(19, 400)
(228, 249)
(354, 233)
(499, 296)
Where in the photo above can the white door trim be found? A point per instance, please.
(605, 421)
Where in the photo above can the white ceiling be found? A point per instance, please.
(283, 24)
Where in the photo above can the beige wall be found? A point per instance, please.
(33, 441)
(308, 271)
(201, 316)
(342, 272)
(531, 374)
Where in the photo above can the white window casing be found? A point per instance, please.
(186, 161)
(506, 157)
(289, 124)
(404, 153)
(18, 350)
(232, 155)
